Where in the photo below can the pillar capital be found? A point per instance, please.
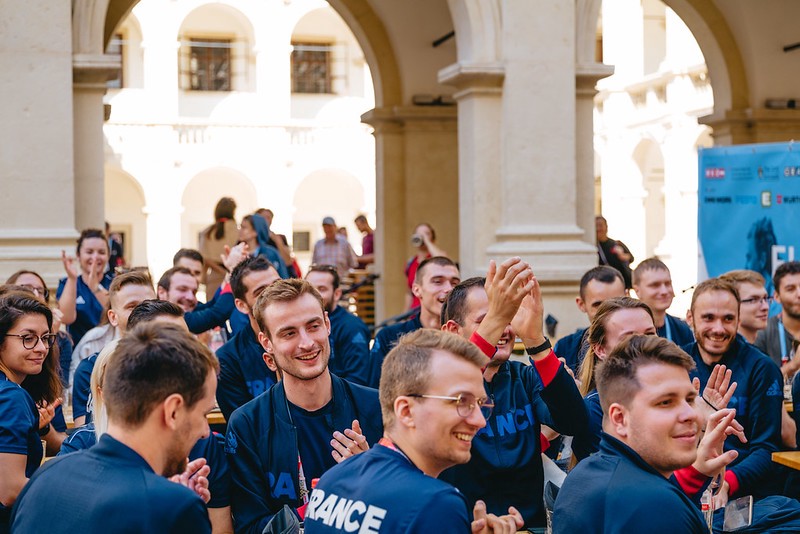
(588, 74)
(474, 78)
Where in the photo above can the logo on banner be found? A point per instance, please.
(766, 199)
(715, 173)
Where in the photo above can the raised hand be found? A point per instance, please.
(69, 265)
(349, 443)
(711, 457)
(485, 523)
(47, 410)
(195, 477)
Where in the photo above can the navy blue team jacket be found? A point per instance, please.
(210, 315)
(382, 491)
(243, 375)
(758, 401)
(349, 347)
(88, 309)
(679, 332)
(506, 454)
(210, 448)
(82, 388)
(262, 449)
(572, 348)
(384, 342)
(616, 491)
(105, 489)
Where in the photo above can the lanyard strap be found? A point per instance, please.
(302, 480)
(668, 331)
(782, 335)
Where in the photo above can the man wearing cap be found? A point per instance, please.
(334, 249)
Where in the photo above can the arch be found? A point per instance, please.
(201, 194)
(478, 28)
(344, 199)
(125, 212)
(587, 13)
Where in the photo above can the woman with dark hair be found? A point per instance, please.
(255, 233)
(83, 297)
(213, 241)
(30, 391)
(32, 281)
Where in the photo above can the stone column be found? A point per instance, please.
(417, 180)
(90, 73)
(36, 158)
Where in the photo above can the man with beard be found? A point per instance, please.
(243, 373)
(282, 440)
(506, 454)
(758, 399)
(349, 335)
(652, 282)
(157, 390)
(434, 279)
(783, 329)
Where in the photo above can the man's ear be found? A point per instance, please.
(403, 412)
(269, 359)
(241, 306)
(112, 318)
(327, 322)
(599, 351)
(264, 341)
(581, 304)
(416, 290)
(690, 318)
(171, 407)
(162, 293)
(337, 296)
(618, 420)
(452, 327)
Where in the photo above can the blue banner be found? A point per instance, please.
(748, 200)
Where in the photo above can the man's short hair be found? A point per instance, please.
(190, 253)
(435, 260)
(166, 279)
(328, 269)
(616, 375)
(247, 266)
(744, 276)
(132, 278)
(715, 284)
(152, 362)
(150, 309)
(783, 270)
(406, 369)
(455, 306)
(650, 264)
(286, 290)
(603, 274)
(361, 218)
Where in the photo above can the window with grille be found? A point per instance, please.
(311, 68)
(114, 48)
(205, 64)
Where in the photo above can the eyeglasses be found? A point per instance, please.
(41, 291)
(758, 300)
(465, 403)
(29, 341)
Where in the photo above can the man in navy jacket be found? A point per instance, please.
(433, 404)
(651, 429)
(158, 389)
(349, 335)
(506, 455)
(282, 440)
(243, 373)
(758, 398)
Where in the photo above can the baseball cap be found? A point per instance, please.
(328, 220)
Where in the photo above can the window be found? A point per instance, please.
(311, 68)
(301, 241)
(114, 48)
(205, 64)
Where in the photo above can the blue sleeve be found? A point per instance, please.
(353, 354)
(445, 513)
(565, 404)
(231, 387)
(83, 438)
(16, 422)
(61, 284)
(754, 468)
(219, 480)
(58, 422)
(376, 356)
(249, 483)
(210, 317)
(585, 443)
(192, 518)
(81, 386)
(64, 355)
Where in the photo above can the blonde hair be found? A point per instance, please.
(100, 415)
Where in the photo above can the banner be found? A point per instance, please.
(748, 199)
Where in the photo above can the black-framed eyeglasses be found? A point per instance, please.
(42, 292)
(29, 341)
(465, 403)
(758, 300)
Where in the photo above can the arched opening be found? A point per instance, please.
(201, 195)
(125, 213)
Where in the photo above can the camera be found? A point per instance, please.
(417, 240)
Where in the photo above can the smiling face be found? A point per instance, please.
(298, 337)
(124, 301)
(655, 289)
(715, 319)
(182, 291)
(660, 422)
(442, 436)
(93, 255)
(436, 283)
(477, 305)
(788, 294)
(754, 310)
(17, 361)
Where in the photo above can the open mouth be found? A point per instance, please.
(464, 437)
(308, 357)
